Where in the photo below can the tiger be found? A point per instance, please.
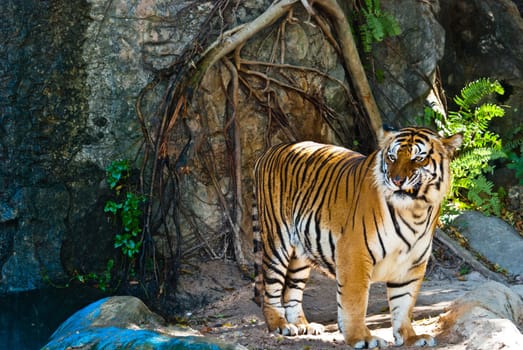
(360, 219)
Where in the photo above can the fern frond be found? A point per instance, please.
(481, 195)
(513, 144)
(390, 25)
(376, 28)
(487, 111)
(475, 91)
(489, 140)
(372, 5)
(366, 38)
(480, 146)
(469, 166)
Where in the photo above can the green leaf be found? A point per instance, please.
(112, 207)
(475, 91)
(117, 171)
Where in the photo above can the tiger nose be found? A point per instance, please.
(398, 180)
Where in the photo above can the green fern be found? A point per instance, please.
(474, 92)
(378, 25)
(516, 164)
(480, 193)
(470, 188)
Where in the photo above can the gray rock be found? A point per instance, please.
(408, 62)
(494, 239)
(515, 197)
(126, 323)
(485, 318)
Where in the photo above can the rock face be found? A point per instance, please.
(72, 72)
(409, 62)
(493, 238)
(125, 323)
(483, 40)
(46, 198)
(485, 318)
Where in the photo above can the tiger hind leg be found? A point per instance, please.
(297, 275)
(283, 292)
(273, 287)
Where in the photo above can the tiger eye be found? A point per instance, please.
(392, 157)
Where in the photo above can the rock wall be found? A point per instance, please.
(71, 75)
(405, 67)
(484, 40)
(46, 197)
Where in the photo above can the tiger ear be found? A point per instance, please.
(452, 143)
(385, 133)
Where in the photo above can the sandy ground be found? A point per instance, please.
(232, 316)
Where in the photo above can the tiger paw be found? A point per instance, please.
(315, 328)
(418, 340)
(290, 329)
(369, 342)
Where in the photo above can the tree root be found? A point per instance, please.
(185, 78)
(228, 43)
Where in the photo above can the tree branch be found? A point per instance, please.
(239, 36)
(228, 44)
(353, 62)
(236, 144)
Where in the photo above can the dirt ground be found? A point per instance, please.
(228, 312)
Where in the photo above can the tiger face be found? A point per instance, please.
(412, 165)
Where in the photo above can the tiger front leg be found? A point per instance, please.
(402, 297)
(353, 283)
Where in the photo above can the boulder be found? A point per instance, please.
(125, 322)
(494, 239)
(485, 318)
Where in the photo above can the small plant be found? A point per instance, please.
(101, 281)
(514, 150)
(127, 209)
(378, 25)
(117, 172)
(464, 269)
(470, 187)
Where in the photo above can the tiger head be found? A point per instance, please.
(413, 163)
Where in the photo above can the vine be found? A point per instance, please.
(126, 209)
